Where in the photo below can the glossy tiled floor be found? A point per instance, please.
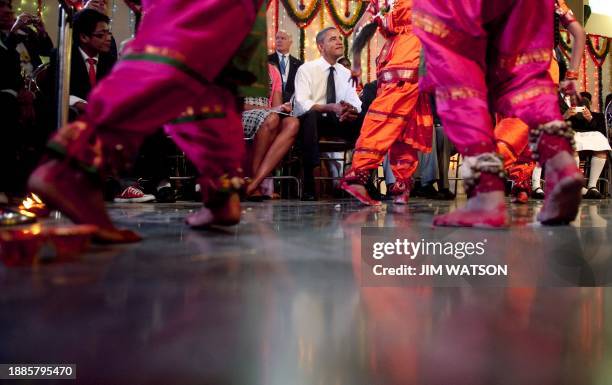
(277, 301)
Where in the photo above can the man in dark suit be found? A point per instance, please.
(287, 65)
(10, 85)
(91, 58)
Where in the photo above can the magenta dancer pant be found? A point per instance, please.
(482, 53)
(166, 71)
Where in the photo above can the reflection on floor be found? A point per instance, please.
(278, 300)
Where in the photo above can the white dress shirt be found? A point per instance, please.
(75, 99)
(280, 59)
(311, 85)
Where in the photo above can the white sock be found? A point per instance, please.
(535, 178)
(597, 165)
(577, 159)
(267, 187)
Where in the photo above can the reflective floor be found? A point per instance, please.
(278, 300)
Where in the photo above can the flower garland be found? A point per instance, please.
(306, 15)
(598, 54)
(597, 48)
(345, 23)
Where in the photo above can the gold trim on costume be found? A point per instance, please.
(158, 51)
(456, 93)
(190, 111)
(430, 24)
(531, 93)
(394, 75)
(540, 55)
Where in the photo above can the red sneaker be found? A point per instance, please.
(134, 195)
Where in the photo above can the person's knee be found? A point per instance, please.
(291, 126)
(271, 124)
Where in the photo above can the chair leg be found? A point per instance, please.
(299, 187)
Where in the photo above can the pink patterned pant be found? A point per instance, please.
(483, 55)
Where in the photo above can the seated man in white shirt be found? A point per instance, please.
(325, 101)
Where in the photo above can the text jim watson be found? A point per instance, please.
(440, 270)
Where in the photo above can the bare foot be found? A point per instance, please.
(253, 187)
(520, 196)
(73, 193)
(402, 199)
(255, 196)
(227, 215)
(359, 192)
(563, 186)
(483, 210)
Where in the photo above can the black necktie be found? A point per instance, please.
(331, 87)
(283, 68)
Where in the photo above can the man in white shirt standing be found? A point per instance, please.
(325, 101)
(287, 65)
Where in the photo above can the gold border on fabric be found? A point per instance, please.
(531, 93)
(457, 93)
(540, 55)
(430, 24)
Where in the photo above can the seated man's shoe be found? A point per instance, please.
(308, 196)
(429, 191)
(417, 189)
(165, 194)
(592, 193)
(446, 195)
(538, 193)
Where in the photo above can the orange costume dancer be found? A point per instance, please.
(511, 139)
(399, 121)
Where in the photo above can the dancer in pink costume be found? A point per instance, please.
(168, 71)
(497, 52)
